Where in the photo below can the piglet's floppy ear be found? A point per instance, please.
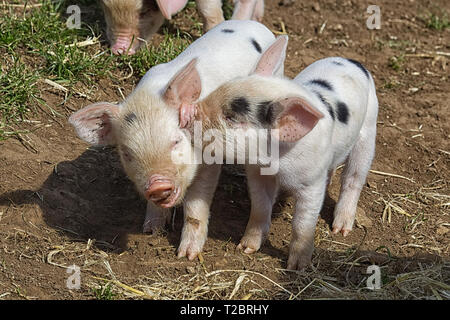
(93, 123)
(183, 90)
(170, 7)
(272, 60)
(296, 120)
(185, 86)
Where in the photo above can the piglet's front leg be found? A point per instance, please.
(263, 191)
(211, 11)
(309, 200)
(196, 211)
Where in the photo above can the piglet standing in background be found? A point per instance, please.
(129, 23)
(248, 10)
(147, 126)
(325, 116)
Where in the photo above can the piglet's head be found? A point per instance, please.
(129, 23)
(146, 131)
(262, 101)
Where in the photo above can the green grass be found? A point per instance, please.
(167, 50)
(396, 63)
(435, 22)
(36, 44)
(227, 7)
(17, 89)
(104, 292)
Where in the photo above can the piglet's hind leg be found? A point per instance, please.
(354, 176)
(309, 201)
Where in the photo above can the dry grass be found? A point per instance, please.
(428, 282)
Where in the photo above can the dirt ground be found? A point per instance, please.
(64, 203)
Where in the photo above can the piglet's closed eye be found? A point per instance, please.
(297, 119)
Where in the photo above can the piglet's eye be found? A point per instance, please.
(176, 142)
(127, 156)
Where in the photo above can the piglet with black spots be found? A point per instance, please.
(324, 117)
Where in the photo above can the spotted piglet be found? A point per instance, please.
(324, 117)
(147, 126)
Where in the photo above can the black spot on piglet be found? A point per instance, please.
(342, 112)
(240, 106)
(227, 31)
(265, 112)
(360, 66)
(326, 103)
(322, 83)
(131, 117)
(256, 45)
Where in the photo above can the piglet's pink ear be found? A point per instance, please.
(93, 123)
(185, 87)
(183, 90)
(272, 60)
(297, 119)
(170, 7)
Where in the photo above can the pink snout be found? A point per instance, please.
(162, 191)
(123, 46)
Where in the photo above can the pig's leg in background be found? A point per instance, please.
(155, 218)
(196, 211)
(263, 190)
(244, 9)
(211, 11)
(354, 176)
(258, 13)
(309, 201)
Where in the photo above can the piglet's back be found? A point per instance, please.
(229, 50)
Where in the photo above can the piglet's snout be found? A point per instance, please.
(162, 191)
(123, 46)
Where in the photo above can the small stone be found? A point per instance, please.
(286, 2)
(441, 230)
(221, 263)
(371, 184)
(316, 6)
(190, 270)
(361, 219)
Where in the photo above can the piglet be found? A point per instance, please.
(326, 116)
(131, 22)
(248, 10)
(147, 126)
